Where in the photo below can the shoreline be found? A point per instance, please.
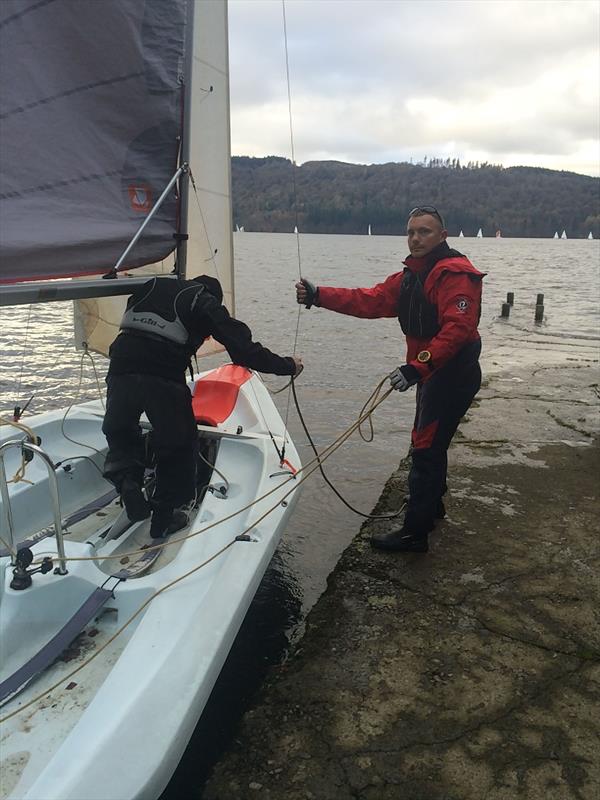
(473, 670)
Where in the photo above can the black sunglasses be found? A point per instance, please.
(418, 210)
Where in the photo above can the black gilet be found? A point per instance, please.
(416, 315)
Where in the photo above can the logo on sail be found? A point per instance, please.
(140, 197)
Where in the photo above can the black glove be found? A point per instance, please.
(312, 293)
(402, 378)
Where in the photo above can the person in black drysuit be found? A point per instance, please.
(165, 322)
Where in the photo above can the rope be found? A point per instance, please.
(326, 453)
(86, 353)
(24, 350)
(306, 471)
(20, 473)
(372, 399)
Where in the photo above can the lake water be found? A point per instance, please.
(344, 359)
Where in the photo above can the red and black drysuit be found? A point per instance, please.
(437, 300)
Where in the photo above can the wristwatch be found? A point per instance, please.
(424, 357)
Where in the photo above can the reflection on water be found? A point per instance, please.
(345, 358)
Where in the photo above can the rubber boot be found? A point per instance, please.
(166, 521)
(401, 541)
(132, 497)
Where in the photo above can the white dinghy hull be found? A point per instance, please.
(117, 728)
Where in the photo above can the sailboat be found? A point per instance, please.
(369, 231)
(556, 236)
(461, 235)
(590, 235)
(563, 235)
(295, 229)
(111, 641)
(479, 233)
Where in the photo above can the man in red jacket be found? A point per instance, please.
(437, 299)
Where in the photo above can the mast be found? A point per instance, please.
(184, 183)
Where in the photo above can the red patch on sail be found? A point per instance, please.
(140, 197)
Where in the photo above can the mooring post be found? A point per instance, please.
(505, 310)
(539, 311)
(540, 300)
(510, 298)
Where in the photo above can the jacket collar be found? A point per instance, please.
(426, 262)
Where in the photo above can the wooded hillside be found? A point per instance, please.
(334, 197)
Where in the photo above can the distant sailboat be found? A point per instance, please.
(556, 236)
(498, 234)
(242, 229)
(479, 233)
(295, 229)
(461, 235)
(237, 228)
(590, 235)
(369, 231)
(563, 235)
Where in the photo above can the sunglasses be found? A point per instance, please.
(418, 210)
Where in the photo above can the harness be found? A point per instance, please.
(155, 315)
(417, 316)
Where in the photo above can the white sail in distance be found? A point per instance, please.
(209, 217)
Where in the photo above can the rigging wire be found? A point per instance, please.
(295, 196)
(24, 352)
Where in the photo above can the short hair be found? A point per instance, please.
(421, 211)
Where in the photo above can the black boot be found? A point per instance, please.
(401, 541)
(136, 505)
(440, 509)
(166, 521)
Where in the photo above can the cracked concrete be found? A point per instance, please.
(469, 673)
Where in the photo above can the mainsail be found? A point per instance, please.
(98, 112)
(105, 114)
(208, 212)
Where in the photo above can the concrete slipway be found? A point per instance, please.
(474, 671)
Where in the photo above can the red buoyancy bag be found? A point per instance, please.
(215, 395)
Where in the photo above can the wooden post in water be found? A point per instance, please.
(505, 310)
(539, 308)
(510, 298)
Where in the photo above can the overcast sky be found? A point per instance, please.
(510, 82)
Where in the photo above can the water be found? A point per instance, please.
(344, 359)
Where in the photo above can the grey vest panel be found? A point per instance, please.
(150, 322)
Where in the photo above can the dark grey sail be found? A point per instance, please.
(90, 128)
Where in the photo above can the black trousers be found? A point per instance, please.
(441, 403)
(168, 406)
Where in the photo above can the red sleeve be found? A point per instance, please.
(378, 301)
(458, 298)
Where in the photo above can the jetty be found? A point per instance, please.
(472, 671)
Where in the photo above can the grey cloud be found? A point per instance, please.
(367, 59)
